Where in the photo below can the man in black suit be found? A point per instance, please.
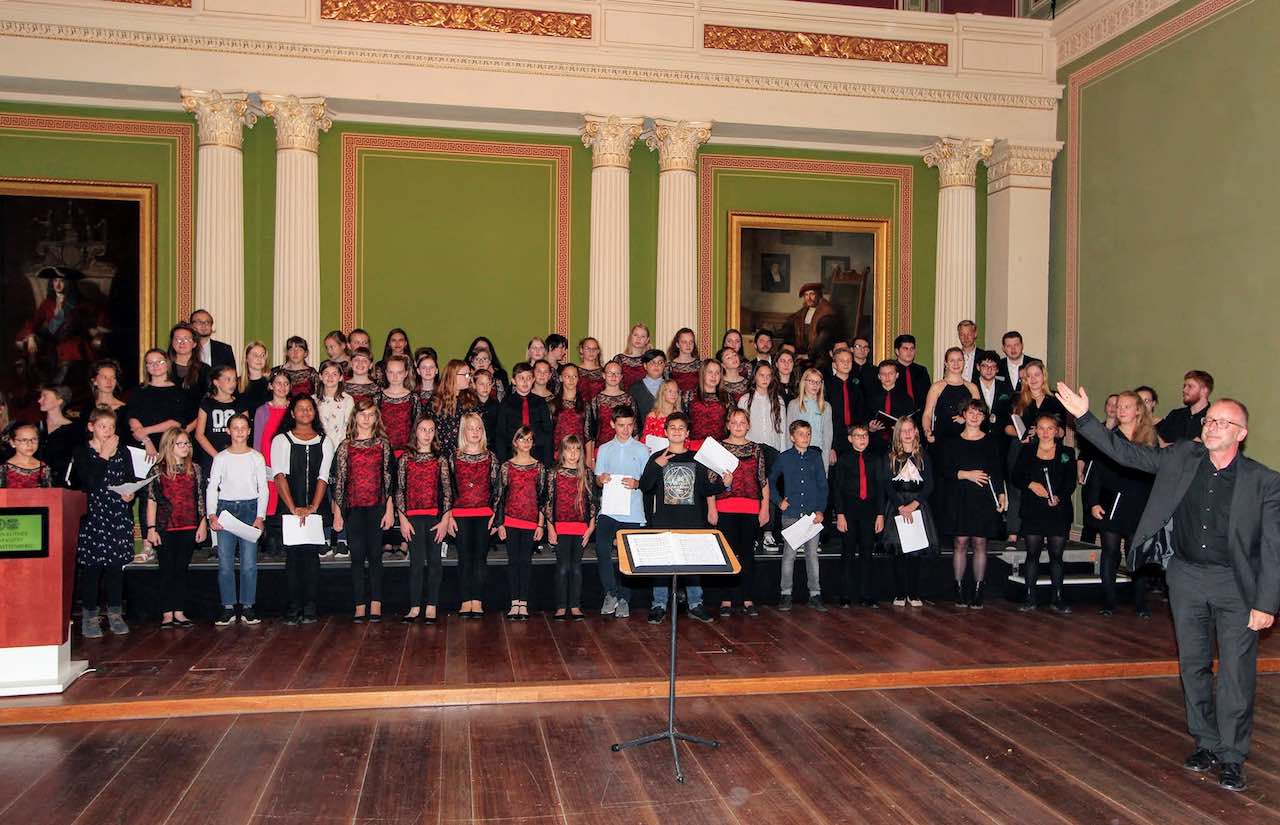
(644, 393)
(1014, 358)
(912, 377)
(967, 332)
(1224, 577)
(214, 353)
(522, 408)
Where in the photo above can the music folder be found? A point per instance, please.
(666, 552)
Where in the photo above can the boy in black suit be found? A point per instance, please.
(857, 485)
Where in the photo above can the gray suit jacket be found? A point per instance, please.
(1254, 526)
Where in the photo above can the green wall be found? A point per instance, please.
(1177, 241)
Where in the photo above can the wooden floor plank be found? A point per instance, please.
(534, 653)
(329, 661)
(488, 655)
(457, 803)
(507, 751)
(285, 649)
(629, 657)
(579, 650)
(378, 660)
(402, 783)
(424, 656)
(317, 779)
(28, 752)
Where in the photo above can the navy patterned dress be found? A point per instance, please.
(106, 531)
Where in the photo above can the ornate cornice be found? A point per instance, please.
(173, 4)
(814, 44)
(220, 118)
(677, 142)
(1012, 164)
(345, 54)
(957, 160)
(610, 137)
(299, 120)
(1109, 22)
(496, 19)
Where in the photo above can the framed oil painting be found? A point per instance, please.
(847, 256)
(77, 283)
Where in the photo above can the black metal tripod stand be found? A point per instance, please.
(670, 734)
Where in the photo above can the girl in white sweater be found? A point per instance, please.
(238, 487)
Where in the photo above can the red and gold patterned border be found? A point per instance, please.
(814, 44)
(184, 137)
(709, 165)
(461, 17)
(1076, 82)
(173, 4)
(354, 143)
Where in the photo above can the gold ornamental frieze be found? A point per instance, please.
(814, 44)
(460, 17)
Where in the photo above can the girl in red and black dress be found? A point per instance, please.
(570, 517)
(23, 471)
(708, 406)
(398, 406)
(632, 360)
(522, 494)
(667, 402)
(362, 501)
(175, 522)
(424, 497)
(568, 409)
(397, 343)
(303, 378)
(427, 371)
(742, 509)
(600, 413)
(734, 384)
(360, 383)
(475, 489)
(683, 362)
(590, 372)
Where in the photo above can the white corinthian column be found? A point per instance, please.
(956, 289)
(220, 118)
(296, 298)
(609, 138)
(677, 142)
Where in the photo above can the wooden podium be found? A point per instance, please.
(632, 561)
(37, 573)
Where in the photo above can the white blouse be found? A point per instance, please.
(334, 415)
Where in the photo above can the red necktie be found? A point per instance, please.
(862, 478)
(887, 397)
(524, 410)
(910, 391)
(847, 418)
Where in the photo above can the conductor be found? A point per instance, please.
(1224, 577)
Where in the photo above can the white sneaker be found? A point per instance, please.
(610, 605)
(770, 543)
(899, 602)
(622, 611)
(915, 602)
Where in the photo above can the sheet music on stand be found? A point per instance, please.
(660, 552)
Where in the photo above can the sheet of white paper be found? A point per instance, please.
(309, 532)
(238, 528)
(994, 497)
(699, 548)
(656, 443)
(615, 500)
(715, 457)
(801, 531)
(675, 549)
(142, 462)
(912, 536)
(652, 550)
(1019, 427)
(129, 487)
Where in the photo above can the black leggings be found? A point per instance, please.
(302, 566)
(856, 548)
(519, 562)
(173, 556)
(741, 531)
(424, 549)
(112, 577)
(568, 572)
(1035, 544)
(364, 538)
(1111, 543)
(906, 575)
(473, 555)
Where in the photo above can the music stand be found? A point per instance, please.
(633, 566)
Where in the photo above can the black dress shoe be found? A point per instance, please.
(871, 603)
(700, 613)
(375, 617)
(846, 602)
(359, 619)
(1231, 777)
(407, 619)
(1106, 611)
(726, 610)
(1200, 761)
(560, 617)
(428, 619)
(751, 610)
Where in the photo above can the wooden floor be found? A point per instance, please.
(1085, 753)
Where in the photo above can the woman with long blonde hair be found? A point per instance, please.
(570, 517)
(362, 499)
(476, 490)
(666, 402)
(632, 358)
(910, 483)
(810, 405)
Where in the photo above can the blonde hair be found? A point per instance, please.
(897, 453)
(1144, 429)
(1024, 391)
(266, 364)
(822, 389)
(580, 466)
(172, 465)
(362, 404)
(464, 422)
(659, 403)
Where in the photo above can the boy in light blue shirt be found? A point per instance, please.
(624, 457)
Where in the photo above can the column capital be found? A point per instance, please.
(677, 142)
(1028, 166)
(299, 120)
(957, 160)
(220, 116)
(609, 137)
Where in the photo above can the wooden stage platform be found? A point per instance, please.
(338, 665)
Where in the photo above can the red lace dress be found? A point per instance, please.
(424, 486)
(590, 383)
(358, 391)
(13, 477)
(301, 382)
(363, 476)
(601, 415)
(397, 419)
(707, 416)
(179, 505)
(522, 494)
(475, 483)
(749, 479)
(569, 420)
(735, 390)
(685, 374)
(570, 506)
(632, 369)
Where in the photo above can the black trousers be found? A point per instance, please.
(857, 547)
(302, 567)
(1207, 607)
(473, 554)
(424, 549)
(741, 530)
(1056, 545)
(173, 557)
(364, 538)
(90, 580)
(906, 575)
(519, 562)
(568, 572)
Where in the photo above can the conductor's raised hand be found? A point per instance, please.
(1076, 401)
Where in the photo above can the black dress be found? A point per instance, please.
(58, 447)
(1038, 518)
(899, 493)
(1108, 480)
(105, 538)
(970, 509)
(150, 405)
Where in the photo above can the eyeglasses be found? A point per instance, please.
(1221, 424)
(26, 441)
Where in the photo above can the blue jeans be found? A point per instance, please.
(606, 563)
(693, 591)
(246, 511)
